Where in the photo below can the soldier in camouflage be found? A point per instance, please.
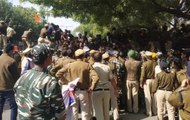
(38, 95)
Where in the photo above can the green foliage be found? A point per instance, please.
(91, 29)
(19, 18)
(120, 13)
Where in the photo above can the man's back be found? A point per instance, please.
(10, 32)
(26, 34)
(80, 69)
(43, 32)
(133, 69)
(61, 62)
(8, 72)
(38, 95)
(3, 41)
(147, 70)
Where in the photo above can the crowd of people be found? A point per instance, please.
(102, 74)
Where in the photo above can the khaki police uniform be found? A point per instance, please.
(181, 98)
(61, 63)
(146, 81)
(101, 94)
(164, 84)
(181, 75)
(88, 80)
(113, 90)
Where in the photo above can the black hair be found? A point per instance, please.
(80, 56)
(9, 47)
(64, 53)
(97, 57)
(70, 53)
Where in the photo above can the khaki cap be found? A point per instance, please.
(92, 51)
(148, 53)
(105, 55)
(79, 52)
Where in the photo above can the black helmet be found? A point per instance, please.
(163, 65)
(39, 53)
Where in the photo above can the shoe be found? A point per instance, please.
(129, 112)
(135, 112)
(149, 115)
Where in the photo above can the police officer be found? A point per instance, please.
(165, 83)
(101, 94)
(64, 60)
(181, 97)
(146, 80)
(114, 93)
(88, 80)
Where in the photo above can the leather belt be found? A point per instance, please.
(100, 89)
(165, 90)
(79, 89)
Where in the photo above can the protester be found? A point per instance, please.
(26, 37)
(43, 38)
(26, 61)
(10, 33)
(3, 41)
(3, 27)
(133, 69)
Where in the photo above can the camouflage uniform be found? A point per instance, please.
(38, 96)
(119, 74)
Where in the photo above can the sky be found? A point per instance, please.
(64, 23)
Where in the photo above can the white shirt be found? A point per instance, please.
(26, 64)
(104, 73)
(10, 32)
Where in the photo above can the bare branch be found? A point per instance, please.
(178, 13)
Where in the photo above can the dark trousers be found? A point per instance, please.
(9, 96)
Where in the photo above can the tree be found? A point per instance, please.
(120, 13)
(91, 29)
(179, 8)
(19, 18)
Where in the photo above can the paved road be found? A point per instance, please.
(124, 116)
